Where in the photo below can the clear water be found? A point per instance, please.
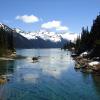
(51, 78)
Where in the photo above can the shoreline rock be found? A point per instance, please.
(12, 57)
(87, 65)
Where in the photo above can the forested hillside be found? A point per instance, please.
(6, 41)
(90, 40)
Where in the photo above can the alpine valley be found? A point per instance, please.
(39, 39)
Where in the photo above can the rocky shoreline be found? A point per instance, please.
(87, 65)
(14, 57)
(5, 78)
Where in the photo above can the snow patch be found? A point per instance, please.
(94, 63)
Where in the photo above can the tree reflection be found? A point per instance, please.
(96, 81)
(6, 67)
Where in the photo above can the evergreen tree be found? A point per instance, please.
(90, 41)
(6, 41)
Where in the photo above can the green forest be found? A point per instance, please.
(88, 40)
(6, 42)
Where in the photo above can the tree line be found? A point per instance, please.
(6, 41)
(88, 40)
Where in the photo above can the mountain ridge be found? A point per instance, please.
(40, 39)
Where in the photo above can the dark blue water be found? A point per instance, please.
(51, 78)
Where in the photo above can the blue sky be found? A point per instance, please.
(53, 15)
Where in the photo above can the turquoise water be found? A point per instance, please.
(51, 78)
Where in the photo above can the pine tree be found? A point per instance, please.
(6, 41)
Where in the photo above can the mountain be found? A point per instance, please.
(40, 39)
(41, 34)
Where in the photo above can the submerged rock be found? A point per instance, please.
(87, 70)
(3, 79)
(77, 66)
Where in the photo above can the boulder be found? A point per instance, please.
(35, 58)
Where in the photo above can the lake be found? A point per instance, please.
(52, 77)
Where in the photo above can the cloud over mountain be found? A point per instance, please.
(54, 24)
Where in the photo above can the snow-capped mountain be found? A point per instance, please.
(45, 35)
(51, 36)
(5, 27)
(43, 38)
(39, 39)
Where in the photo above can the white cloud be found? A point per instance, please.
(54, 24)
(62, 28)
(50, 25)
(28, 18)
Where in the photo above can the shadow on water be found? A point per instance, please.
(91, 86)
(96, 82)
(6, 67)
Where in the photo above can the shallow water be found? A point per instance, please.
(51, 78)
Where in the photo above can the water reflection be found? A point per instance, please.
(6, 67)
(6, 70)
(96, 82)
(51, 65)
(51, 78)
